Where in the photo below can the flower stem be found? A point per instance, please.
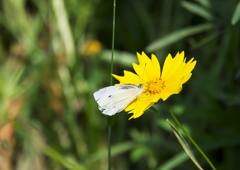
(194, 143)
(113, 36)
(109, 147)
(110, 120)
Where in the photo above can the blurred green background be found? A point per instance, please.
(54, 54)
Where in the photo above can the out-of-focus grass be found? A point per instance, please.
(49, 119)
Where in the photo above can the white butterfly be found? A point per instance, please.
(114, 99)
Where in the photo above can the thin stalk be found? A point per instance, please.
(156, 111)
(194, 143)
(113, 36)
(110, 121)
(109, 147)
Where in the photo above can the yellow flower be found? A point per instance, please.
(91, 48)
(157, 85)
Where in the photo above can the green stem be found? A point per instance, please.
(194, 143)
(109, 147)
(113, 36)
(110, 120)
(156, 111)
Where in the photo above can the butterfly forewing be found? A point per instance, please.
(117, 103)
(114, 99)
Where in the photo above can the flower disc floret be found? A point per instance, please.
(155, 86)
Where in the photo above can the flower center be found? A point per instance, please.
(155, 86)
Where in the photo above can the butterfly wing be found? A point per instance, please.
(114, 99)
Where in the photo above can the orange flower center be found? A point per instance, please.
(155, 86)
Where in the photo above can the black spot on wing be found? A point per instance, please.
(126, 87)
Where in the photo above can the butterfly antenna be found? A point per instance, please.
(142, 74)
(141, 83)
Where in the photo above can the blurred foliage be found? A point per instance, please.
(54, 54)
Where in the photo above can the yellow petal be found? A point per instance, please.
(128, 78)
(186, 78)
(176, 63)
(186, 68)
(141, 72)
(189, 67)
(163, 95)
(141, 107)
(156, 66)
(145, 69)
(173, 89)
(131, 106)
(155, 98)
(143, 58)
(167, 65)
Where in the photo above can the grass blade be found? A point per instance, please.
(64, 30)
(53, 154)
(236, 14)
(197, 9)
(186, 147)
(177, 36)
(205, 40)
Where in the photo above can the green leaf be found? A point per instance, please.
(205, 40)
(186, 147)
(176, 36)
(17, 74)
(205, 3)
(197, 9)
(163, 124)
(53, 154)
(174, 161)
(237, 75)
(138, 153)
(236, 14)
